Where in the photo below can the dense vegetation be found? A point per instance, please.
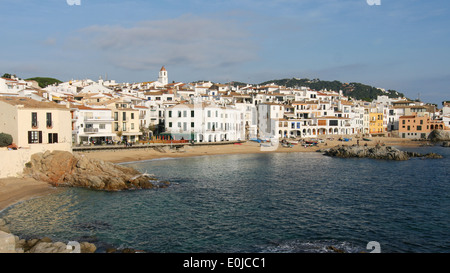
(5, 140)
(355, 90)
(44, 81)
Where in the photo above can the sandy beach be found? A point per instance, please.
(121, 156)
(14, 190)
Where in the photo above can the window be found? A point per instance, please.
(124, 116)
(52, 138)
(124, 126)
(49, 120)
(333, 123)
(34, 137)
(116, 116)
(34, 122)
(116, 126)
(421, 121)
(192, 125)
(170, 114)
(102, 126)
(184, 114)
(132, 126)
(132, 115)
(192, 114)
(170, 124)
(419, 128)
(184, 126)
(209, 113)
(179, 114)
(179, 124)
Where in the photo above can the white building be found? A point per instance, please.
(92, 125)
(203, 122)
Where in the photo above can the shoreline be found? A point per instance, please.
(249, 147)
(15, 190)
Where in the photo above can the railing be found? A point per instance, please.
(91, 130)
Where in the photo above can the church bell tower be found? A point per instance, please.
(163, 78)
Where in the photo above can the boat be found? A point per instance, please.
(287, 145)
(367, 139)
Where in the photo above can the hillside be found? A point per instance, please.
(44, 81)
(355, 90)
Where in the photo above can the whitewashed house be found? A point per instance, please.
(201, 122)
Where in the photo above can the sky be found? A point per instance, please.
(399, 44)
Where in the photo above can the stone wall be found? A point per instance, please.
(13, 161)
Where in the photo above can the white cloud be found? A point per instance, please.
(187, 40)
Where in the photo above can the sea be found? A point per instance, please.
(258, 203)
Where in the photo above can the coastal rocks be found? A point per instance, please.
(446, 144)
(7, 243)
(377, 152)
(439, 135)
(61, 168)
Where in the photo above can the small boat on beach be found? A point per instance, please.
(367, 139)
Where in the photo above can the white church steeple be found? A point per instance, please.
(163, 78)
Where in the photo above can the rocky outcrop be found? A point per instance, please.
(439, 135)
(377, 152)
(446, 144)
(10, 243)
(61, 168)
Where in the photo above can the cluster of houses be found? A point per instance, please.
(81, 112)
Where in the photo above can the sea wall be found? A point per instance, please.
(12, 161)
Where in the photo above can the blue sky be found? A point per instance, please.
(400, 44)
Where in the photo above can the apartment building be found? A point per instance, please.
(32, 122)
(202, 122)
(92, 125)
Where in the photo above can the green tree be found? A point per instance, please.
(5, 140)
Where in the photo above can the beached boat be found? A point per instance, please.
(367, 139)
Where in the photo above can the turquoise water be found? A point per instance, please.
(286, 202)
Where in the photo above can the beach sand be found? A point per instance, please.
(120, 156)
(14, 190)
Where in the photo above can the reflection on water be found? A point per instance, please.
(295, 202)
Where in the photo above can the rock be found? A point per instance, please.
(433, 155)
(87, 247)
(335, 249)
(377, 152)
(4, 226)
(446, 144)
(7, 242)
(439, 135)
(46, 247)
(61, 168)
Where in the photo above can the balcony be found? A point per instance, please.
(91, 130)
(98, 119)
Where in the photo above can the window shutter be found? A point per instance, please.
(29, 137)
(40, 136)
